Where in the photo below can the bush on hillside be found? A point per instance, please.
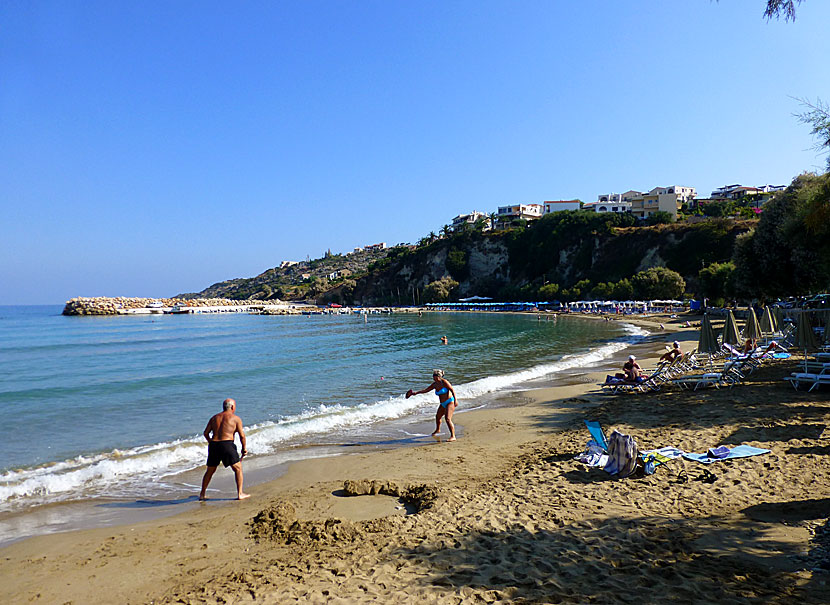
(441, 290)
(658, 283)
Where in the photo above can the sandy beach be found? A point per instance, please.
(502, 515)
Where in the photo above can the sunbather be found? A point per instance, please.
(632, 372)
(672, 353)
(750, 345)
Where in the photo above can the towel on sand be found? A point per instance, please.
(740, 451)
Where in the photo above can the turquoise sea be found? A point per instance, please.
(114, 407)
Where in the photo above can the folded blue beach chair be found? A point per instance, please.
(597, 433)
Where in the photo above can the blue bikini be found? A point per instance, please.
(444, 391)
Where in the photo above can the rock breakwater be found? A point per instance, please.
(121, 305)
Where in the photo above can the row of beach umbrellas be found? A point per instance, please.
(771, 322)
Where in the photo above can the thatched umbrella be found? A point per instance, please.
(730, 334)
(752, 331)
(708, 342)
(768, 322)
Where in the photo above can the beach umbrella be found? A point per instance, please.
(778, 315)
(768, 321)
(708, 342)
(805, 338)
(752, 331)
(730, 334)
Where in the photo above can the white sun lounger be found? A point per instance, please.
(798, 378)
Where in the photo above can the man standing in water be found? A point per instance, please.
(220, 432)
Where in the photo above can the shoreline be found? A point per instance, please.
(102, 512)
(511, 517)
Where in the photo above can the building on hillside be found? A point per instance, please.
(528, 212)
(471, 219)
(557, 205)
(755, 197)
(338, 274)
(374, 247)
(613, 202)
(612, 198)
(662, 199)
(733, 192)
(288, 263)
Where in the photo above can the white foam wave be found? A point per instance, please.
(95, 474)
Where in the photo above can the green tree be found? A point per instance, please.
(719, 209)
(603, 291)
(788, 253)
(622, 290)
(549, 292)
(777, 8)
(716, 280)
(661, 217)
(817, 115)
(457, 263)
(440, 290)
(658, 283)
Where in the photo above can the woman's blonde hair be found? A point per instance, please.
(439, 373)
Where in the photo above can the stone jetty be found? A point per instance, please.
(123, 305)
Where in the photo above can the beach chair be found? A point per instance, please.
(613, 384)
(595, 428)
(728, 377)
(813, 379)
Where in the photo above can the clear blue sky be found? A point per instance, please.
(148, 149)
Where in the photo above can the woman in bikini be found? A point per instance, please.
(446, 397)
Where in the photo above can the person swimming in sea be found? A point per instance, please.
(444, 340)
(447, 401)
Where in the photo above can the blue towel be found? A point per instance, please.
(740, 451)
(597, 433)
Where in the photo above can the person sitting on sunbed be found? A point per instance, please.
(750, 345)
(672, 353)
(632, 372)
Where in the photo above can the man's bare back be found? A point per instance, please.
(223, 426)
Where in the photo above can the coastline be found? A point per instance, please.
(509, 479)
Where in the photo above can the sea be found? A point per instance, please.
(103, 416)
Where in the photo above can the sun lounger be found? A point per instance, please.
(808, 378)
(715, 379)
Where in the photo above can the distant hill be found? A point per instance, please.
(301, 280)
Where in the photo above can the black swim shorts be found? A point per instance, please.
(222, 451)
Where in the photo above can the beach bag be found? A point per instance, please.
(623, 455)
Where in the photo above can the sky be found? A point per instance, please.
(155, 148)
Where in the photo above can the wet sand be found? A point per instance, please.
(502, 515)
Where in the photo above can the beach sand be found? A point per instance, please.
(502, 515)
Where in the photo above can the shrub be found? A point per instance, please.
(440, 290)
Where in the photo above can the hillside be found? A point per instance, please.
(305, 279)
(572, 253)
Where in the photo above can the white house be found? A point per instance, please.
(470, 219)
(527, 212)
(556, 206)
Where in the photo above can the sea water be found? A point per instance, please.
(115, 406)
